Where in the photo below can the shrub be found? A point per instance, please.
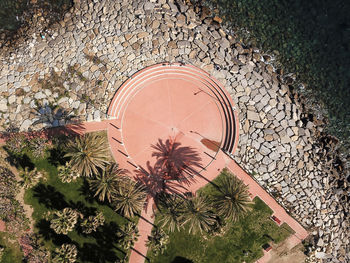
(91, 223)
(29, 177)
(67, 253)
(66, 174)
(16, 143)
(158, 241)
(128, 235)
(64, 221)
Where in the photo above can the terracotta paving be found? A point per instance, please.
(176, 103)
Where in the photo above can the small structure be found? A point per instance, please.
(276, 220)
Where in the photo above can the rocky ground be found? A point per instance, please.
(72, 71)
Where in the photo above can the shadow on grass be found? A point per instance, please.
(49, 196)
(82, 208)
(103, 250)
(56, 157)
(181, 260)
(20, 160)
(49, 234)
(86, 192)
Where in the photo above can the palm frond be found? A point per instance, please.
(198, 214)
(129, 197)
(87, 153)
(231, 199)
(105, 183)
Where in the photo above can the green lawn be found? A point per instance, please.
(52, 194)
(248, 234)
(12, 252)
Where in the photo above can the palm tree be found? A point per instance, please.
(92, 223)
(171, 208)
(128, 235)
(64, 221)
(198, 214)
(66, 254)
(88, 153)
(66, 174)
(29, 177)
(158, 241)
(129, 197)
(105, 183)
(231, 198)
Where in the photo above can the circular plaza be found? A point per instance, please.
(168, 103)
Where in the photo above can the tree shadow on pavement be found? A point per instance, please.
(173, 171)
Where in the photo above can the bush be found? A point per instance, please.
(16, 143)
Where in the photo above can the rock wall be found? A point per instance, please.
(71, 73)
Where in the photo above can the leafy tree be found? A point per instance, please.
(91, 224)
(129, 197)
(67, 253)
(64, 221)
(29, 177)
(231, 197)
(171, 207)
(66, 174)
(88, 153)
(158, 241)
(198, 214)
(128, 235)
(105, 183)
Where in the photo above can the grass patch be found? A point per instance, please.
(51, 194)
(12, 252)
(242, 241)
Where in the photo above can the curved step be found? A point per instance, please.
(189, 73)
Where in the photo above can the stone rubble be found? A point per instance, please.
(73, 73)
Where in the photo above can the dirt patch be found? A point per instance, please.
(284, 253)
(28, 210)
(2, 226)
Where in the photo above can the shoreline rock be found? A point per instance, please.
(73, 73)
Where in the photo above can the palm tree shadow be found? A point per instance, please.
(51, 114)
(179, 259)
(56, 157)
(49, 196)
(85, 190)
(176, 162)
(173, 172)
(19, 160)
(82, 208)
(105, 248)
(48, 233)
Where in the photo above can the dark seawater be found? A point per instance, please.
(10, 14)
(14, 13)
(310, 38)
